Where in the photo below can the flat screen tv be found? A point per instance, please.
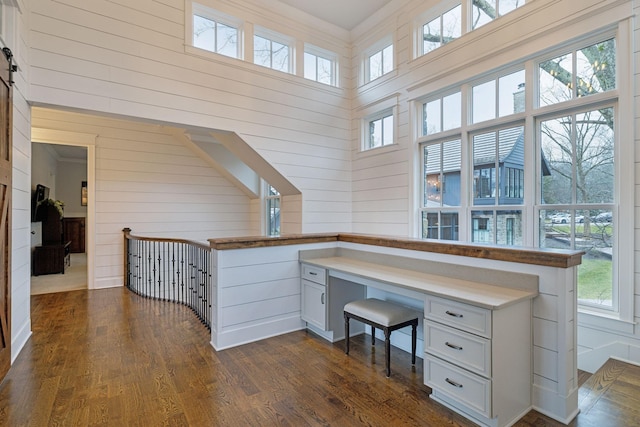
(41, 193)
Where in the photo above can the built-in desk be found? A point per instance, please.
(257, 293)
(477, 336)
(391, 278)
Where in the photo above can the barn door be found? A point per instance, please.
(6, 146)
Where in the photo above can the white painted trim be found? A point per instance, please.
(88, 140)
(19, 340)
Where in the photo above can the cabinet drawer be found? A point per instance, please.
(459, 315)
(465, 387)
(460, 348)
(314, 274)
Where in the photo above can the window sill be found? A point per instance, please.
(607, 322)
(379, 81)
(378, 150)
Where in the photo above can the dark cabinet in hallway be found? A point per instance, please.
(74, 233)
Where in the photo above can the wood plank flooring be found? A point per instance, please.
(109, 357)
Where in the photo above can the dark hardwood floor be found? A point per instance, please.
(109, 357)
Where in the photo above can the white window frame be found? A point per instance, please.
(366, 122)
(623, 208)
(266, 209)
(214, 15)
(431, 14)
(274, 36)
(440, 9)
(325, 54)
(379, 46)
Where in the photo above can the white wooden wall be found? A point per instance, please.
(15, 37)
(129, 58)
(147, 180)
(386, 180)
(256, 293)
(601, 339)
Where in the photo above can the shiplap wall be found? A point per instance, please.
(129, 58)
(601, 340)
(148, 181)
(386, 180)
(15, 37)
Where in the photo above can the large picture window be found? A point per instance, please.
(578, 195)
(573, 147)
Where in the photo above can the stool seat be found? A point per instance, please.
(382, 315)
(381, 312)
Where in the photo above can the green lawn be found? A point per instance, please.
(595, 279)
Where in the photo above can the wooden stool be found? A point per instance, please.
(382, 315)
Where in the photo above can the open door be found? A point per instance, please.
(6, 146)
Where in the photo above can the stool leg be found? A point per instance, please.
(373, 335)
(414, 336)
(387, 350)
(346, 333)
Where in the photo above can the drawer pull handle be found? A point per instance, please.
(453, 383)
(313, 273)
(451, 313)
(453, 346)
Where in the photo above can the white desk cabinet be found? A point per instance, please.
(478, 361)
(314, 296)
(323, 301)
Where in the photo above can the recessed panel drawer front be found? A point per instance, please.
(314, 274)
(467, 388)
(460, 348)
(459, 315)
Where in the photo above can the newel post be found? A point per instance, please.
(125, 274)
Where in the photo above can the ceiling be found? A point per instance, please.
(69, 152)
(343, 13)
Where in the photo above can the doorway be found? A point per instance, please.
(59, 264)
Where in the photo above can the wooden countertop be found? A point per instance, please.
(483, 295)
(547, 257)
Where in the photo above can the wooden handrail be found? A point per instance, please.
(176, 270)
(128, 235)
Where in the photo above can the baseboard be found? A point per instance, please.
(591, 360)
(111, 282)
(550, 403)
(20, 339)
(239, 336)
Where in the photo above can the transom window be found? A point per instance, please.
(442, 114)
(380, 130)
(319, 66)
(213, 33)
(380, 63)
(498, 97)
(486, 11)
(579, 73)
(271, 53)
(437, 29)
(442, 29)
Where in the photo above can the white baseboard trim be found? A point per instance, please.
(19, 340)
(591, 360)
(111, 282)
(228, 339)
(560, 408)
